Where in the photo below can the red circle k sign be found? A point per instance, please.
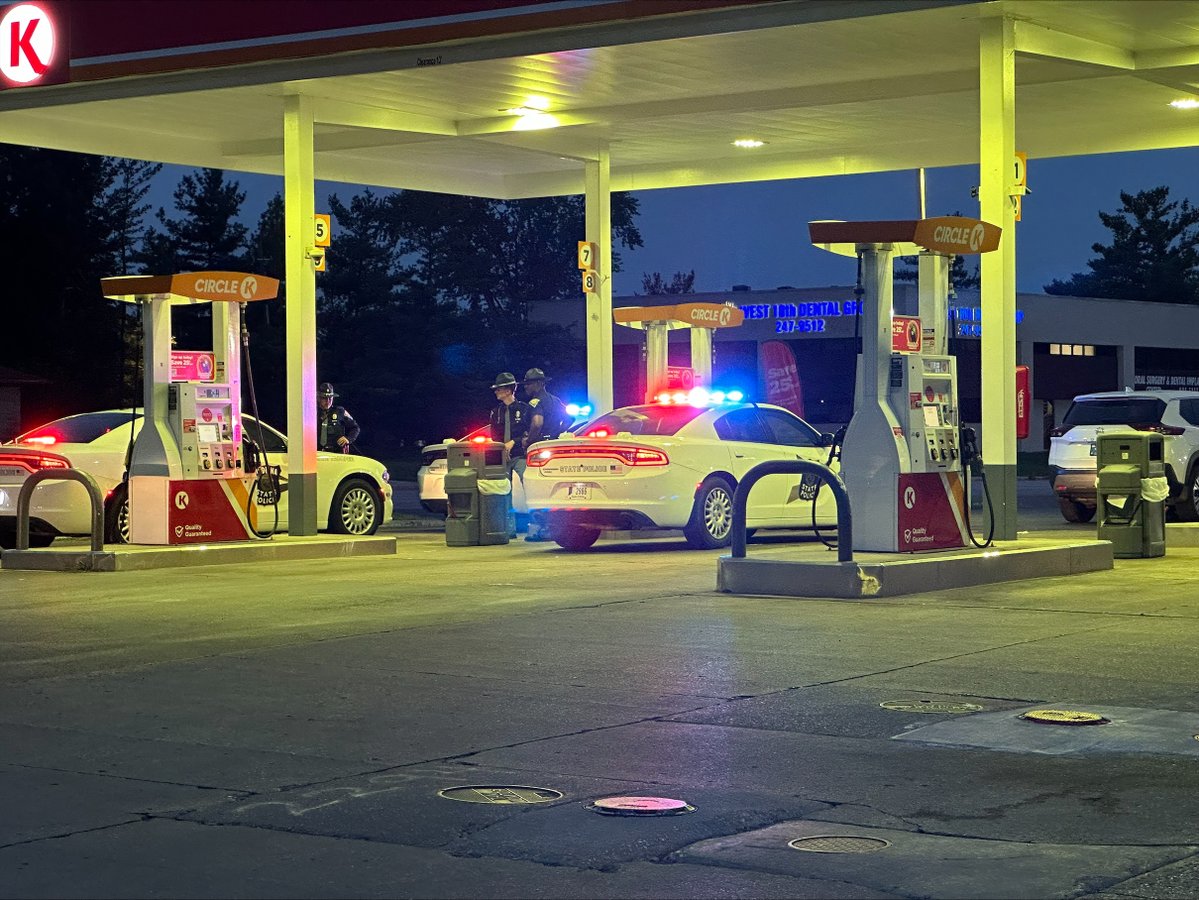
(27, 43)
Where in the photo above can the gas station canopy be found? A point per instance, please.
(507, 99)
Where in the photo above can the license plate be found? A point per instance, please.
(1092, 448)
(13, 471)
(578, 492)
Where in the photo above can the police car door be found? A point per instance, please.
(748, 440)
(794, 438)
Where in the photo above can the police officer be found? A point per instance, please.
(550, 419)
(510, 421)
(336, 429)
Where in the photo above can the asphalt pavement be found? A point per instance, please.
(443, 723)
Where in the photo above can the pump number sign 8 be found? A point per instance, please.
(590, 282)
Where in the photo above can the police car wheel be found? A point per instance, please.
(574, 537)
(711, 522)
(116, 516)
(356, 509)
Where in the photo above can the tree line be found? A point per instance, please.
(426, 298)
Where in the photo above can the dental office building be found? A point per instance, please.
(1072, 345)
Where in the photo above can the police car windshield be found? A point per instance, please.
(661, 420)
(81, 429)
(1116, 411)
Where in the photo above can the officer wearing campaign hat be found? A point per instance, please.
(510, 421)
(550, 419)
(336, 429)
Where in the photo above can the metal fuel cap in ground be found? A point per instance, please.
(1064, 717)
(509, 794)
(641, 806)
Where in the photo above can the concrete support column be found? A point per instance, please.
(299, 208)
(701, 355)
(933, 286)
(997, 154)
(599, 305)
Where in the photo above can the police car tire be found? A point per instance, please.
(711, 516)
(361, 489)
(574, 537)
(117, 506)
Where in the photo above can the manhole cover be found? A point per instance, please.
(510, 794)
(641, 806)
(930, 706)
(838, 843)
(1064, 717)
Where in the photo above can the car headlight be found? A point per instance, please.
(386, 475)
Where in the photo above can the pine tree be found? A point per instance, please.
(1153, 254)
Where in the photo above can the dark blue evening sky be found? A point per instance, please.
(756, 234)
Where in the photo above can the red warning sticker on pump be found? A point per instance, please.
(206, 415)
(189, 425)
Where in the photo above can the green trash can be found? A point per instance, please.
(470, 490)
(1132, 490)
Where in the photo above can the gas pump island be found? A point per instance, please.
(902, 460)
(187, 477)
(702, 319)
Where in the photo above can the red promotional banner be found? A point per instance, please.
(783, 387)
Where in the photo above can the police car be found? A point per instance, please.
(353, 492)
(675, 464)
(430, 477)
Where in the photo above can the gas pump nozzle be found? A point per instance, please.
(971, 457)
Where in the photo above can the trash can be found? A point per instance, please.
(1132, 490)
(476, 490)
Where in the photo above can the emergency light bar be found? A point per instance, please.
(699, 397)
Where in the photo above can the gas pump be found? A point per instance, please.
(658, 321)
(187, 476)
(902, 460)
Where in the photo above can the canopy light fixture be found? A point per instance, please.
(533, 106)
(748, 143)
(1187, 103)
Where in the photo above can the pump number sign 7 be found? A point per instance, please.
(588, 254)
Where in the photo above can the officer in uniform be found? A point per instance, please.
(336, 429)
(550, 419)
(510, 421)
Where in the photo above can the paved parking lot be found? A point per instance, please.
(285, 730)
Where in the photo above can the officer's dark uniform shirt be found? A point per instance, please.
(555, 418)
(333, 423)
(519, 416)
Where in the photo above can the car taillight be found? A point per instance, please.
(598, 433)
(630, 456)
(46, 440)
(481, 439)
(32, 462)
(1159, 428)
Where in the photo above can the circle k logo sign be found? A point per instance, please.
(29, 45)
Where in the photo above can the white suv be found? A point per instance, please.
(1173, 414)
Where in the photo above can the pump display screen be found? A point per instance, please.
(207, 433)
(932, 416)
